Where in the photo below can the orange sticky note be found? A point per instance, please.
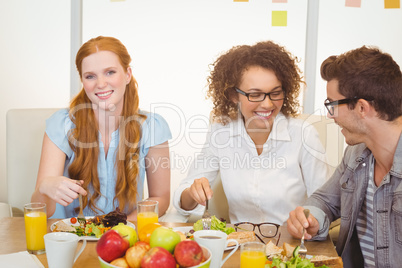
(240, 0)
(392, 4)
(279, 18)
(279, 1)
(353, 3)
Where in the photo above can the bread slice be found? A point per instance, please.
(288, 250)
(61, 226)
(271, 250)
(241, 237)
(333, 262)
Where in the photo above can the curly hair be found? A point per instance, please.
(367, 73)
(83, 139)
(228, 72)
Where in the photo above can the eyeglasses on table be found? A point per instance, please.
(265, 229)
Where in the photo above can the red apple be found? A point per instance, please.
(111, 246)
(188, 253)
(158, 258)
(126, 232)
(164, 237)
(135, 254)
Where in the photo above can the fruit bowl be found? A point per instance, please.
(205, 264)
(208, 256)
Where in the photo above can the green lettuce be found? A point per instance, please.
(295, 262)
(92, 229)
(216, 224)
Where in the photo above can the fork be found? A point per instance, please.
(81, 218)
(206, 218)
(302, 248)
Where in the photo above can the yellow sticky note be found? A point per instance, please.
(353, 3)
(240, 0)
(279, 18)
(392, 4)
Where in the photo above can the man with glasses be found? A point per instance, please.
(364, 97)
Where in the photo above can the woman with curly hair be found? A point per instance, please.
(263, 153)
(103, 144)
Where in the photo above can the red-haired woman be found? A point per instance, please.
(103, 144)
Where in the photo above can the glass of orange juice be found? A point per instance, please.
(147, 212)
(252, 255)
(35, 227)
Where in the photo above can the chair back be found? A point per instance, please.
(5, 210)
(25, 131)
(331, 138)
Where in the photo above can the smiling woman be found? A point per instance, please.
(103, 140)
(255, 91)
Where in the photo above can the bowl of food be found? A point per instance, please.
(120, 262)
(207, 258)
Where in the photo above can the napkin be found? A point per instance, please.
(19, 259)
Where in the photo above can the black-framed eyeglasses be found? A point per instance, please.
(330, 105)
(266, 229)
(260, 96)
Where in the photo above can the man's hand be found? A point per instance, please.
(296, 222)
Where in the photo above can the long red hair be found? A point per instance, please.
(83, 139)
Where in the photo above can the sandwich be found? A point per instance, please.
(333, 262)
(285, 253)
(61, 226)
(272, 250)
(241, 237)
(288, 250)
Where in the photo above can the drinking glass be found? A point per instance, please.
(35, 227)
(252, 255)
(147, 212)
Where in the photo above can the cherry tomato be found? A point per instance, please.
(73, 220)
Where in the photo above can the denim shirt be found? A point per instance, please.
(342, 197)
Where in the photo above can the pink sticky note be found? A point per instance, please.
(392, 4)
(279, 1)
(353, 3)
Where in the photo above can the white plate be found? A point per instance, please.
(88, 238)
(186, 229)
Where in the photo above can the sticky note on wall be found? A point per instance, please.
(392, 4)
(240, 0)
(353, 3)
(279, 18)
(279, 1)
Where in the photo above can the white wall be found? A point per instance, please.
(343, 28)
(34, 61)
(171, 43)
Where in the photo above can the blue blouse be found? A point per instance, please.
(155, 130)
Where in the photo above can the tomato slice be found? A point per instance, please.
(73, 220)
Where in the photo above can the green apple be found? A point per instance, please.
(164, 237)
(127, 232)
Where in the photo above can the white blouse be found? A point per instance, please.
(265, 187)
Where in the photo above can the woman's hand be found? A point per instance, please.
(297, 220)
(61, 189)
(51, 186)
(200, 191)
